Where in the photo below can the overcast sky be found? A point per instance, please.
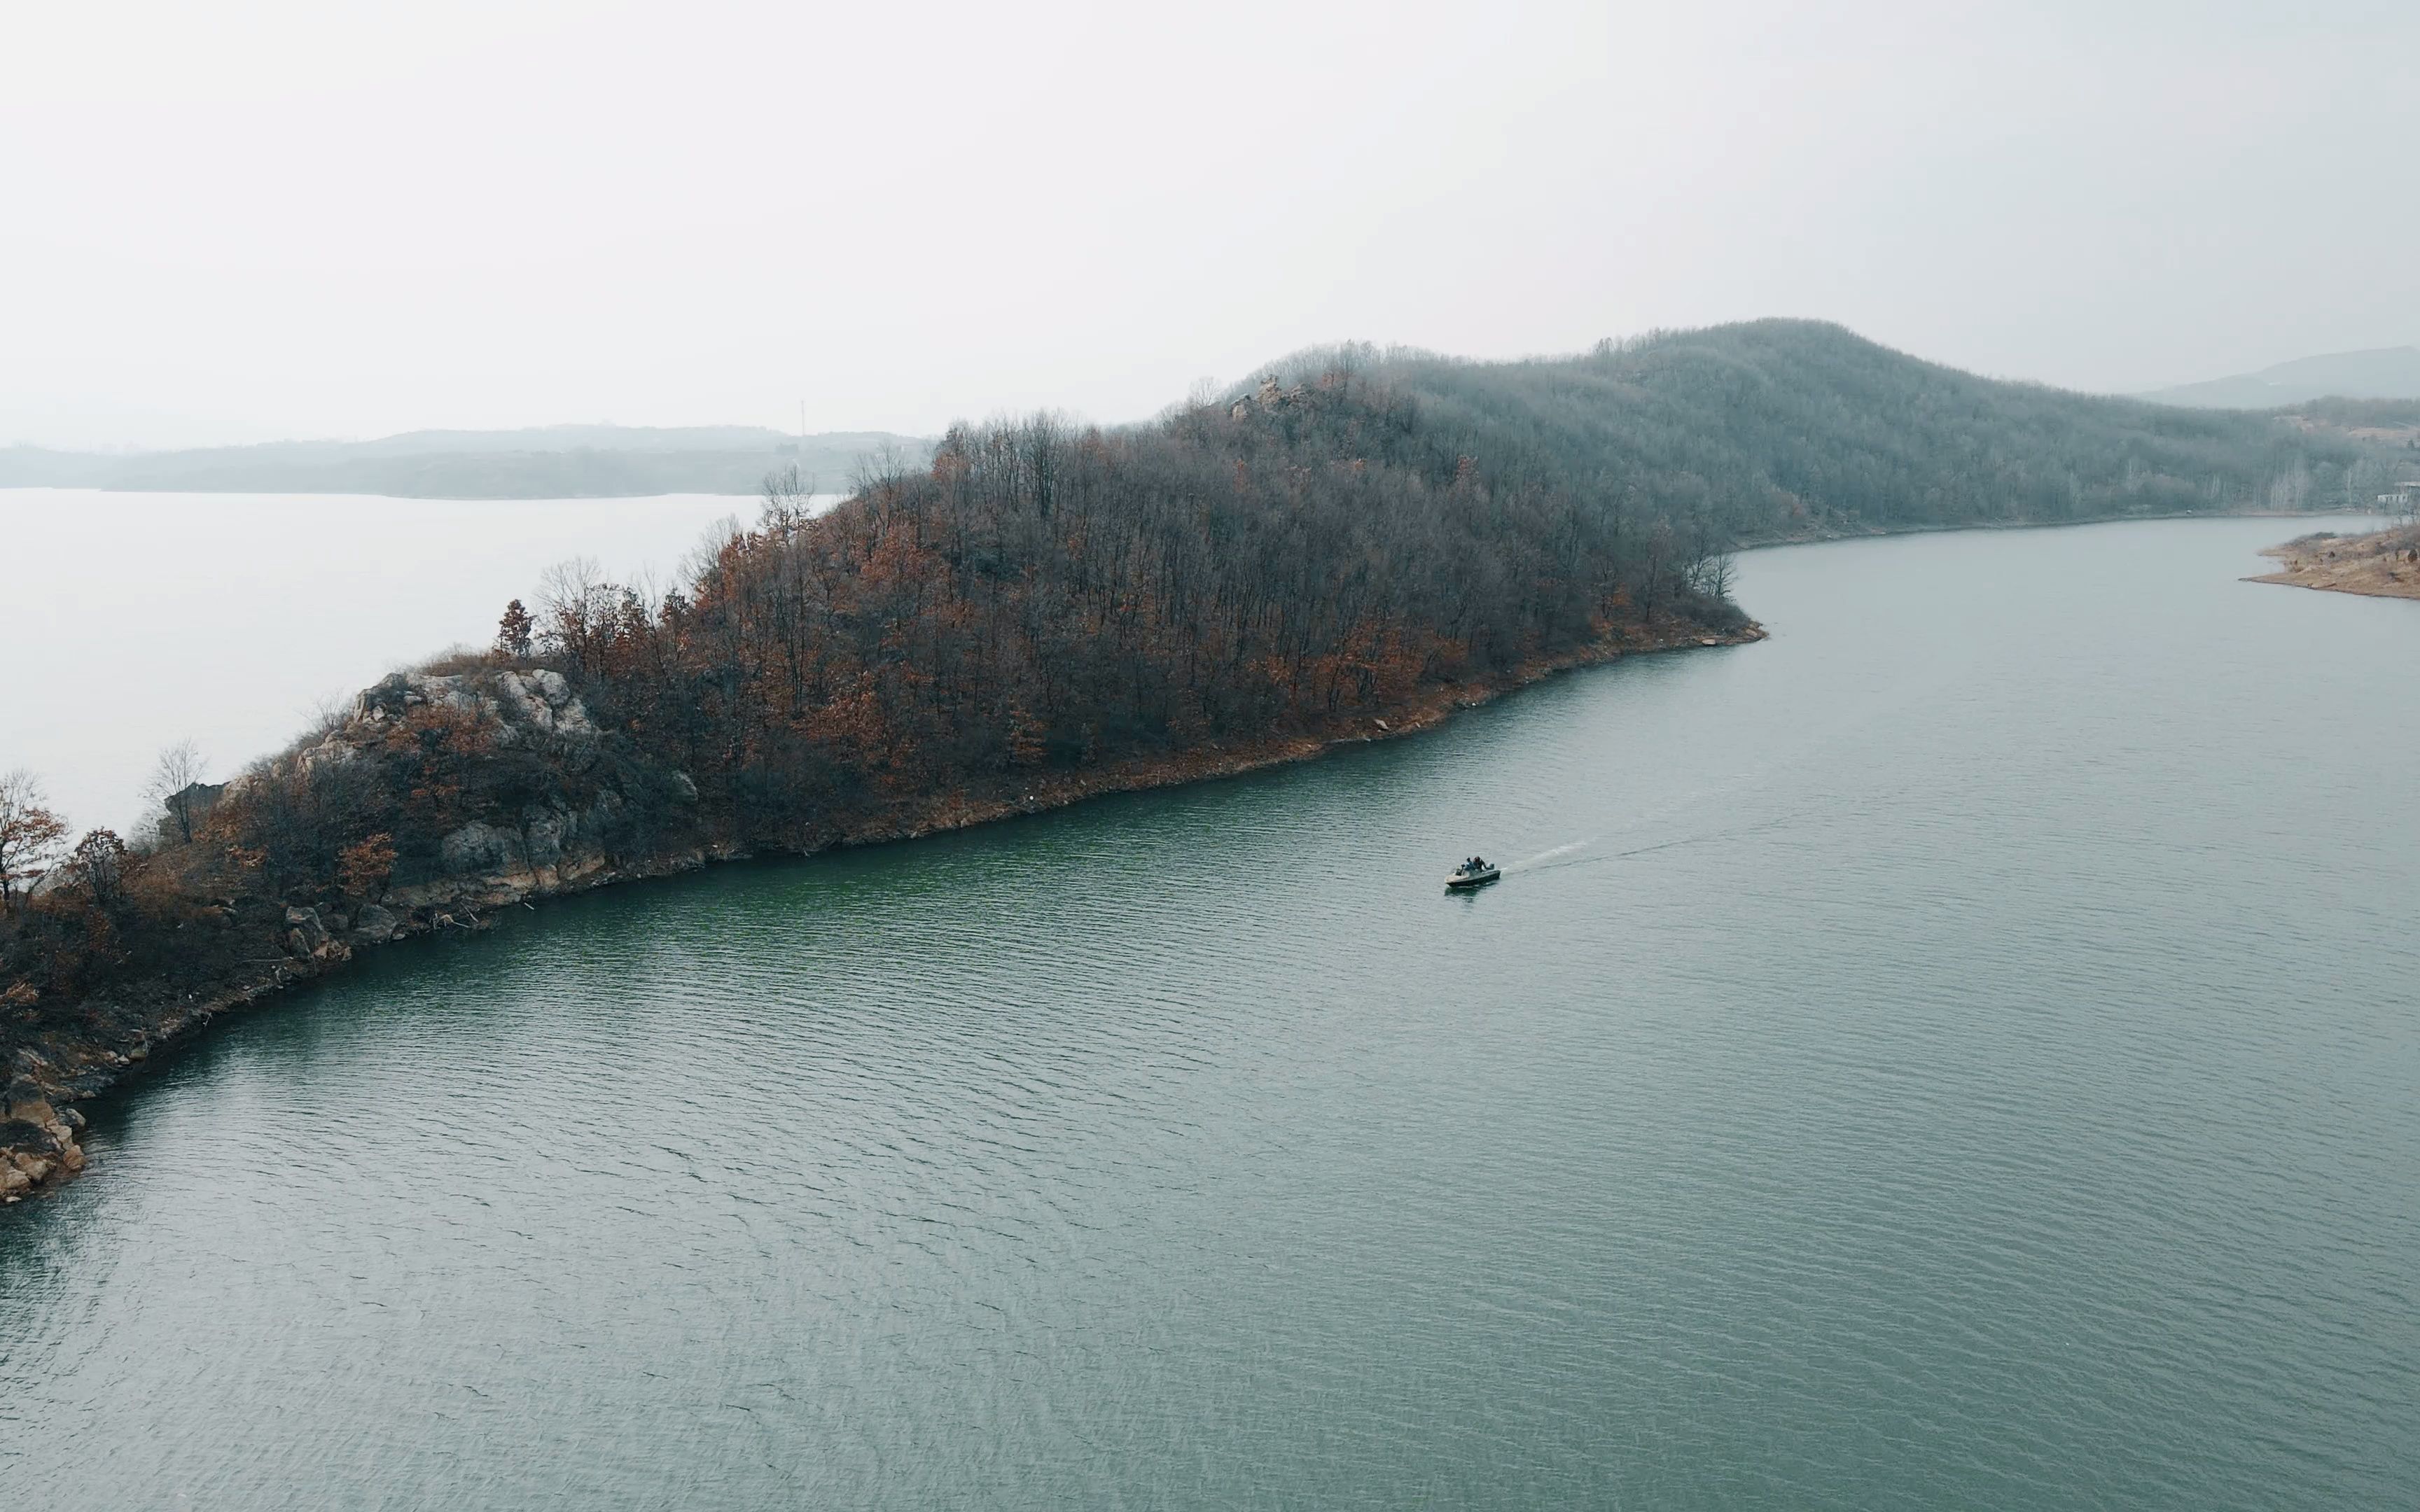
(243, 220)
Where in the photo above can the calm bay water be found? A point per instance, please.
(1960, 1053)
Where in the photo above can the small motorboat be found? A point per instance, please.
(1477, 871)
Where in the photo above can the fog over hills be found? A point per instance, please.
(542, 462)
(1771, 426)
(2381, 373)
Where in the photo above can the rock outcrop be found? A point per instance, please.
(513, 703)
(1271, 396)
(309, 939)
(37, 1139)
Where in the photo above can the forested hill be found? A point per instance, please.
(1781, 428)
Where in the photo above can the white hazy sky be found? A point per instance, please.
(240, 221)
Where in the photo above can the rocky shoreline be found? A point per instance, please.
(39, 1122)
(2381, 564)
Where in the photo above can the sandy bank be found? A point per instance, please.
(2383, 565)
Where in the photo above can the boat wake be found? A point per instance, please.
(1547, 855)
(1561, 855)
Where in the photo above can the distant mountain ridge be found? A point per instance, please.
(1800, 414)
(2379, 373)
(541, 462)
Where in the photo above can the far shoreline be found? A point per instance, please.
(1972, 527)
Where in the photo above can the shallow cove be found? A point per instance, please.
(1958, 1053)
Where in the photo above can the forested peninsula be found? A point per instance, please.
(1347, 546)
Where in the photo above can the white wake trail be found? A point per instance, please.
(1559, 850)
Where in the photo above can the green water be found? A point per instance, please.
(1961, 1053)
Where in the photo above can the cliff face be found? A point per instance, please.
(515, 851)
(541, 846)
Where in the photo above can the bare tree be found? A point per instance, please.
(789, 501)
(576, 606)
(1714, 573)
(171, 790)
(30, 834)
(885, 464)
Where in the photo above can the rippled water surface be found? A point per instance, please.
(1958, 1052)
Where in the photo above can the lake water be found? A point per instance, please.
(1961, 1053)
(226, 618)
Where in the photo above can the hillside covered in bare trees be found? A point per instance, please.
(1780, 429)
(1347, 545)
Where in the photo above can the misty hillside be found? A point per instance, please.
(1760, 430)
(1783, 427)
(2383, 373)
(546, 462)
